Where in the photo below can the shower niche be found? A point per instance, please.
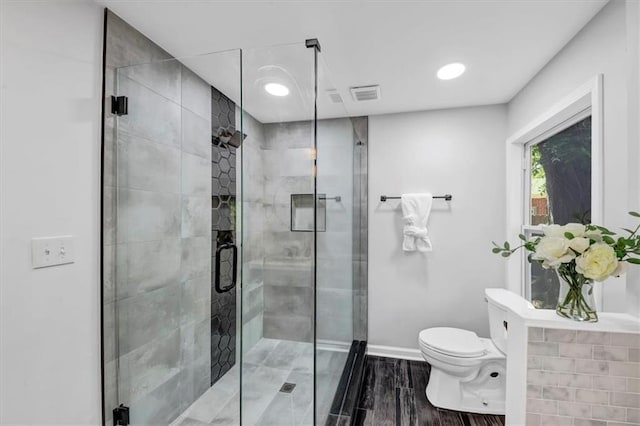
(302, 213)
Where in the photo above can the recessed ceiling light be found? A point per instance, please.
(451, 71)
(276, 89)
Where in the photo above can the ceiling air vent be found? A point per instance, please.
(365, 93)
(334, 96)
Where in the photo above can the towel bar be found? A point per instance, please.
(337, 198)
(446, 197)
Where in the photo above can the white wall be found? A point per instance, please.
(456, 151)
(49, 185)
(599, 48)
(633, 52)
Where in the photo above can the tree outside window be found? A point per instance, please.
(560, 193)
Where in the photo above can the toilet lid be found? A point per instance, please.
(452, 341)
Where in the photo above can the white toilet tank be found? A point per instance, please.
(498, 302)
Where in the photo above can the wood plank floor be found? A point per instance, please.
(393, 393)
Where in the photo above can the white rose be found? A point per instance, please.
(595, 235)
(554, 231)
(597, 263)
(621, 269)
(579, 244)
(576, 229)
(553, 251)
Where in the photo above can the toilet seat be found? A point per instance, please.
(454, 342)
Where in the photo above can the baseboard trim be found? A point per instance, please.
(395, 352)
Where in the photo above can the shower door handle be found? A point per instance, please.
(234, 267)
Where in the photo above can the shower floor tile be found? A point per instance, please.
(267, 366)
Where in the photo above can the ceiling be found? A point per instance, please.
(397, 44)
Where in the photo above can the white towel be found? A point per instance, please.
(415, 212)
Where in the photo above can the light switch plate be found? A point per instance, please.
(52, 251)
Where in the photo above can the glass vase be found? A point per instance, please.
(575, 298)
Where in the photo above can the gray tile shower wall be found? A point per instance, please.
(360, 227)
(156, 230)
(335, 256)
(288, 261)
(253, 211)
(288, 256)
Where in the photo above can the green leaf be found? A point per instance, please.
(628, 230)
(506, 254)
(634, 214)
(607, 239)
(569, 236)
(605, 231)
(507, 245)
(496, 250)
(522, 237)
(633, 260)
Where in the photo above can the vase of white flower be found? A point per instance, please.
(575, 298)
(581, 255)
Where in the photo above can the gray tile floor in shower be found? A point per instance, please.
(266, 367)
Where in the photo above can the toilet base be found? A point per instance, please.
(483, 394)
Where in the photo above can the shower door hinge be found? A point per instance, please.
(119, 105)
(121, 415)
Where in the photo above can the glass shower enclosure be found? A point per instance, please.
(233, 257)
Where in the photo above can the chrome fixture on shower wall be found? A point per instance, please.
(225, 136)
(337, 198)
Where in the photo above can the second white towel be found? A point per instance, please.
(415, 211)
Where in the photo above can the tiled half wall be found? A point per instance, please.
(577, 378)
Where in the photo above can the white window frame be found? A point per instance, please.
(581, 103)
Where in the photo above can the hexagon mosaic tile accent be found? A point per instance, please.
(223, 198)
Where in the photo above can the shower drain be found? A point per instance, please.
(287, 387)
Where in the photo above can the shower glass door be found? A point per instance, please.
(172, 265)
(341, 147)
(228, 252)
(279, 218)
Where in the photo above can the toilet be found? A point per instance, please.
(468, 373)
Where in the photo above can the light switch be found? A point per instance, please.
(52, 251)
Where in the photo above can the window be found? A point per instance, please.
(557, 191)
(550, 147)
